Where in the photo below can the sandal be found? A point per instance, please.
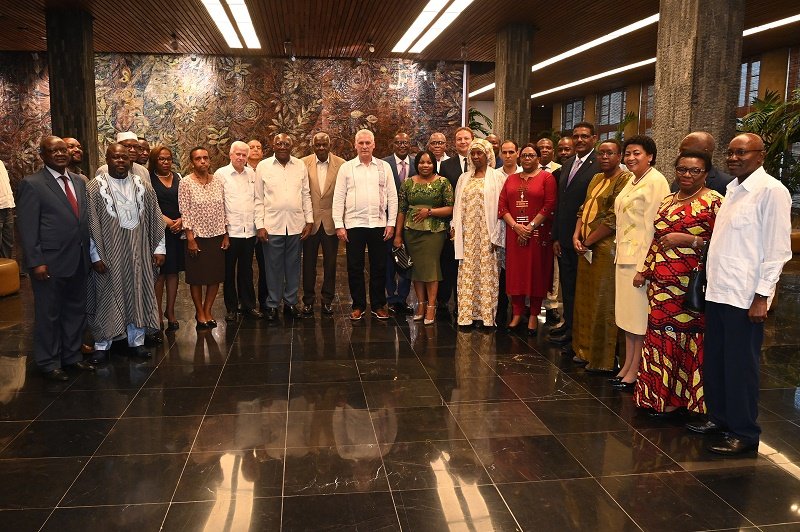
(427, 321)
(419, 317)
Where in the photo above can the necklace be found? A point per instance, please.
(636, 180)
(677, 195)
(164, 176)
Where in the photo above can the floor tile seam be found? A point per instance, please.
(706, 486)
(640, 527)
(17, 435)
(112, 505)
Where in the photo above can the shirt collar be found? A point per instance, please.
(754, 181)
(583, 159)
(231, 170)
(56, 174)
(276, 161)
(371, 161)
(398, 160)
(326, 161)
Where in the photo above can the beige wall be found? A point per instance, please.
(773, 72)
(556, 117)
(632, 97)
(590, 108)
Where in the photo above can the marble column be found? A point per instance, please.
(697, 72)
(512, 100)
(70, 55)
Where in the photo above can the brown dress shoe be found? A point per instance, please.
(381, 313)
(356, 315)
(86, 349)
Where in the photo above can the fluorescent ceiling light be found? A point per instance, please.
(242, 18)
(488, 87)
(597, 76)
(220, 18)
(771, 25)
(429, 12)
(597, 42)
(441, 24)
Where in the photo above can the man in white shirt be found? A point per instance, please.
(509, 152)
(6, 215)
(437, 143)
(547, 150)
(364, 212)
(749, 246)
(284, 217)
(131, 143)
(239, 181)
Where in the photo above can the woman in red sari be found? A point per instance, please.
(527, 202)
(670, 377)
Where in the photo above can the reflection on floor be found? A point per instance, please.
(322, 424)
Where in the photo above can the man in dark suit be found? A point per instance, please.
(452, 168)
(573, 181)
(54, 230)
(398, 285)
(702, 141)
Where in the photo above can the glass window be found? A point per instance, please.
(571, 114)
(749, 76)
(610, 113)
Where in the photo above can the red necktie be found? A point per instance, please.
(70, 195)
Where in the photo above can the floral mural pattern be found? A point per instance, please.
(185, 101)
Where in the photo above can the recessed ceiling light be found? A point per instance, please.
(441, 24)
(596, 77)
(242, 18)
(220, 18)
(771, 25)
(597, 42)
(482, 90)
(429, 12)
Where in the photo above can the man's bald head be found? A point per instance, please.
(698, 141)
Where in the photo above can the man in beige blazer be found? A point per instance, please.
(322, 168)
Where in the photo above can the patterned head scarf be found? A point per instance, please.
(486, 147)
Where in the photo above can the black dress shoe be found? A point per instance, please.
(733, 445)
(704, 427)
(253, 313)
(271, 314)
(231, 316)
(557, 331)
(623, 386)
(327, 308)
(139, 351)
(82, 365)
(666, 415)
(153, 339)
(614, 380)
(99, 356)
(57, 374)
(293, 311)
(560, 339)
(551, 316)
(533, 332)
(308, 310)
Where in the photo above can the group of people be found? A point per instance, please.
(595, 226)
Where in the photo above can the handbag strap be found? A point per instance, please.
(701, 261)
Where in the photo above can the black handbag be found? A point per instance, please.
(401, 258)
(695, 297)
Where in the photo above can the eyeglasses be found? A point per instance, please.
(164, 159)
(738, 152)
(527, 155)
(282, 144)
(437, 143)
(694, 172)
(403, 143)
(606, 153)
(58, 150)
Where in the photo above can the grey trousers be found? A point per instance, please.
(282, 257)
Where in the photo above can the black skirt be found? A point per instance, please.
(208, 266)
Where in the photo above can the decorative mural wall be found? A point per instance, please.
(183, 101)
(24, 111)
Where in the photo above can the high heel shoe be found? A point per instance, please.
(426, 321)
(419, 317)
(201, 325)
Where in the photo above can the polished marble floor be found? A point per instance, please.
(324, 424)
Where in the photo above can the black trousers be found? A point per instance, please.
(238, 288)
(370, 239)
(568, 274)
(449, 264)
(59, 307)
(262, 275)
(311, 245)
(731, 349)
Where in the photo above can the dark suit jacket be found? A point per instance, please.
(451, 169)
(412, 170)
(50, 232)
(715, 180)
(570, 198)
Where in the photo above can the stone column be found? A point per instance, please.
(70, 55)
(697, 72)
(512, 100)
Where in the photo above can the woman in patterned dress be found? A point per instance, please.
(527, 202)
(594, 336)
(477, 235)
(425, 203)
(670, 377)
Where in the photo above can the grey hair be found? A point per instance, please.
(239, 144)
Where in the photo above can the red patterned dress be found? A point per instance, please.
(672, 357)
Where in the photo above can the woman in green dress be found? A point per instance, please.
(425, 204)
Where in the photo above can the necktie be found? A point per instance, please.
(463, 164)
(70, 195)
(575, 166)
(403, 172)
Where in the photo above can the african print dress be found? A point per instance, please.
(672, 357)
